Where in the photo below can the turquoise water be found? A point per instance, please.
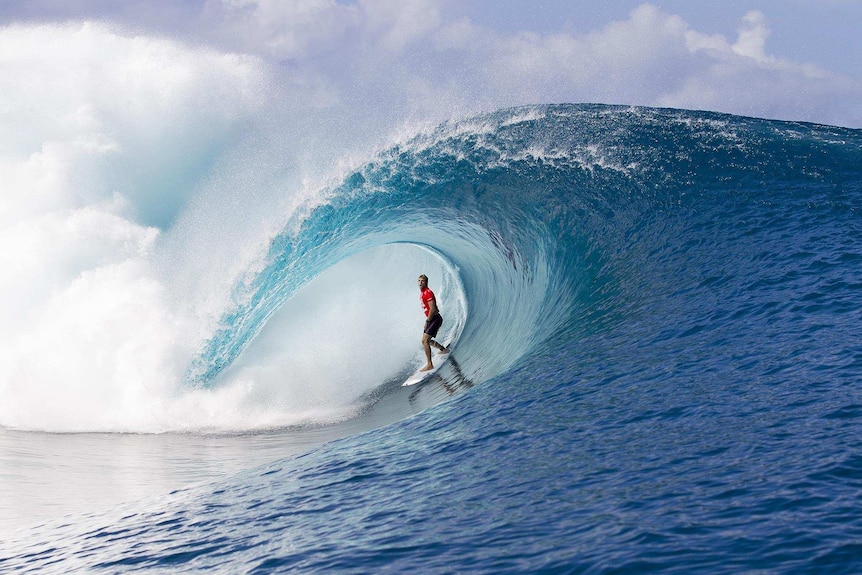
(656, 365)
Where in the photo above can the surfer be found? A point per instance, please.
(433, 322)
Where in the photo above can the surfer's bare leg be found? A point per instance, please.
(426, 343)
(443, 350)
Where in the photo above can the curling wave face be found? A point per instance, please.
(531, 208)
(468, 194)
(536, 224)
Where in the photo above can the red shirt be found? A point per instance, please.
(426, 295)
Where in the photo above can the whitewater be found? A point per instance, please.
(654, 316)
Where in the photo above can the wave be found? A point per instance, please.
(534, 224)
(526, 207)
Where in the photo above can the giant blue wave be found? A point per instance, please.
(531, 208)
(657, 314)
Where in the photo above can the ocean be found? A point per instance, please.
(657, 367)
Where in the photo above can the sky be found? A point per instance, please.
(783, 59)
(825, 32)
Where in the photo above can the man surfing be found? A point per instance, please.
(433, 322)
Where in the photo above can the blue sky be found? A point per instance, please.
(826, 32)
(785, 59)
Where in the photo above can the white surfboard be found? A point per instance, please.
(421, 376)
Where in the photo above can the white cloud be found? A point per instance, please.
(285, 30)
(421, 58)
(401, 22)
(654, 58)
(753, 33)
(632, 59)
(393, 60)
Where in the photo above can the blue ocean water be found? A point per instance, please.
(656, 365)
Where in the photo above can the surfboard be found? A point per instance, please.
(421, 376)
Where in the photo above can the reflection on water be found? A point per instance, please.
(47, 476)
(448, 381)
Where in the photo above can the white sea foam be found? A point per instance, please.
(129, 211)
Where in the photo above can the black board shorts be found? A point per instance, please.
(432, 324)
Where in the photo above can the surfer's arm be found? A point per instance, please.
(432, 308)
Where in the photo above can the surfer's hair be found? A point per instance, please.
(423, 277)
